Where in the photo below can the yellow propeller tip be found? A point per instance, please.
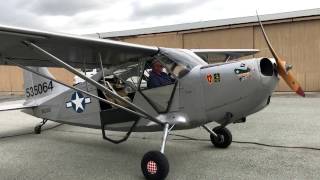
(301, 92)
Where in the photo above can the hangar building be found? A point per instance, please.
(294, 35)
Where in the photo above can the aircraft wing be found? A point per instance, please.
(14, 105)
(212, 54)
(77, 51)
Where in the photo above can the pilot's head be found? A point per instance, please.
(157, 66)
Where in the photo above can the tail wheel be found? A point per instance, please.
(224, 137)
(155, 166)
(37, 129)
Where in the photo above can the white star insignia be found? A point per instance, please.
(78, 102)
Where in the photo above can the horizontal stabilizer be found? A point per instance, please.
(14, 105)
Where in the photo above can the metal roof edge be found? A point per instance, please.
(207, 24)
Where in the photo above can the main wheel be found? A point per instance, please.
(37, 129)
(224, 137)
(154, 165)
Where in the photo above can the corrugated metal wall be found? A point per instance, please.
(296, 40)
(11, 81)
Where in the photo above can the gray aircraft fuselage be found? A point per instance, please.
(224, 93)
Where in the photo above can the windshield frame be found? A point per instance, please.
(183, 57)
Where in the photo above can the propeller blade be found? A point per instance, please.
(282, 67)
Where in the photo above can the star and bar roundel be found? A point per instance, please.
(78, 102)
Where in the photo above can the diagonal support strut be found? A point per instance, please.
(91, 81)
(76, 89)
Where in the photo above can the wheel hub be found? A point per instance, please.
(220, 138)
(152, 167)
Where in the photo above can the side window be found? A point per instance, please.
(125, 80)
(178, 70)
(145, 76)
(122, 80)
(156, 75)
(157, 84)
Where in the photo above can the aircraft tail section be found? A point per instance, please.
(37, 87)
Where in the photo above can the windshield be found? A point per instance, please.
(183, 57)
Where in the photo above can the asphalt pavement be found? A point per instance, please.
(280, 142)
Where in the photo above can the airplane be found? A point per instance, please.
(118, 96)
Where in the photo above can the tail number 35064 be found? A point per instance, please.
(38, 89)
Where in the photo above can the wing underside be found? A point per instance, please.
(77, 51)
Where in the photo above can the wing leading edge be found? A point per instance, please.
(77, 51)
(208, 54)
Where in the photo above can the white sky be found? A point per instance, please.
(91, 16)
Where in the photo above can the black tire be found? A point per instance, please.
(154, 165)
(37, 130)
(224, 137)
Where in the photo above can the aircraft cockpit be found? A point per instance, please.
(154, 78)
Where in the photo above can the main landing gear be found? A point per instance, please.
(154, 164)
(37, 129)
(220, 137)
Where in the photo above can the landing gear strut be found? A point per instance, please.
(220, 137)
(154, 164)
(37, 129)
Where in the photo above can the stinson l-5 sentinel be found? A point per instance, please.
(117, 97)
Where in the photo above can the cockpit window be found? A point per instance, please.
(178, 70)
(156, 75)
(160, 84)
(130, 74)
(183, 58)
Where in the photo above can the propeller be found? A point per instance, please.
(282, 67)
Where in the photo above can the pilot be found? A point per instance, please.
(157, 77)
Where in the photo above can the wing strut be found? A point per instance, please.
(101, 66)
(77, 89)
(106, 84)
(91, 81)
